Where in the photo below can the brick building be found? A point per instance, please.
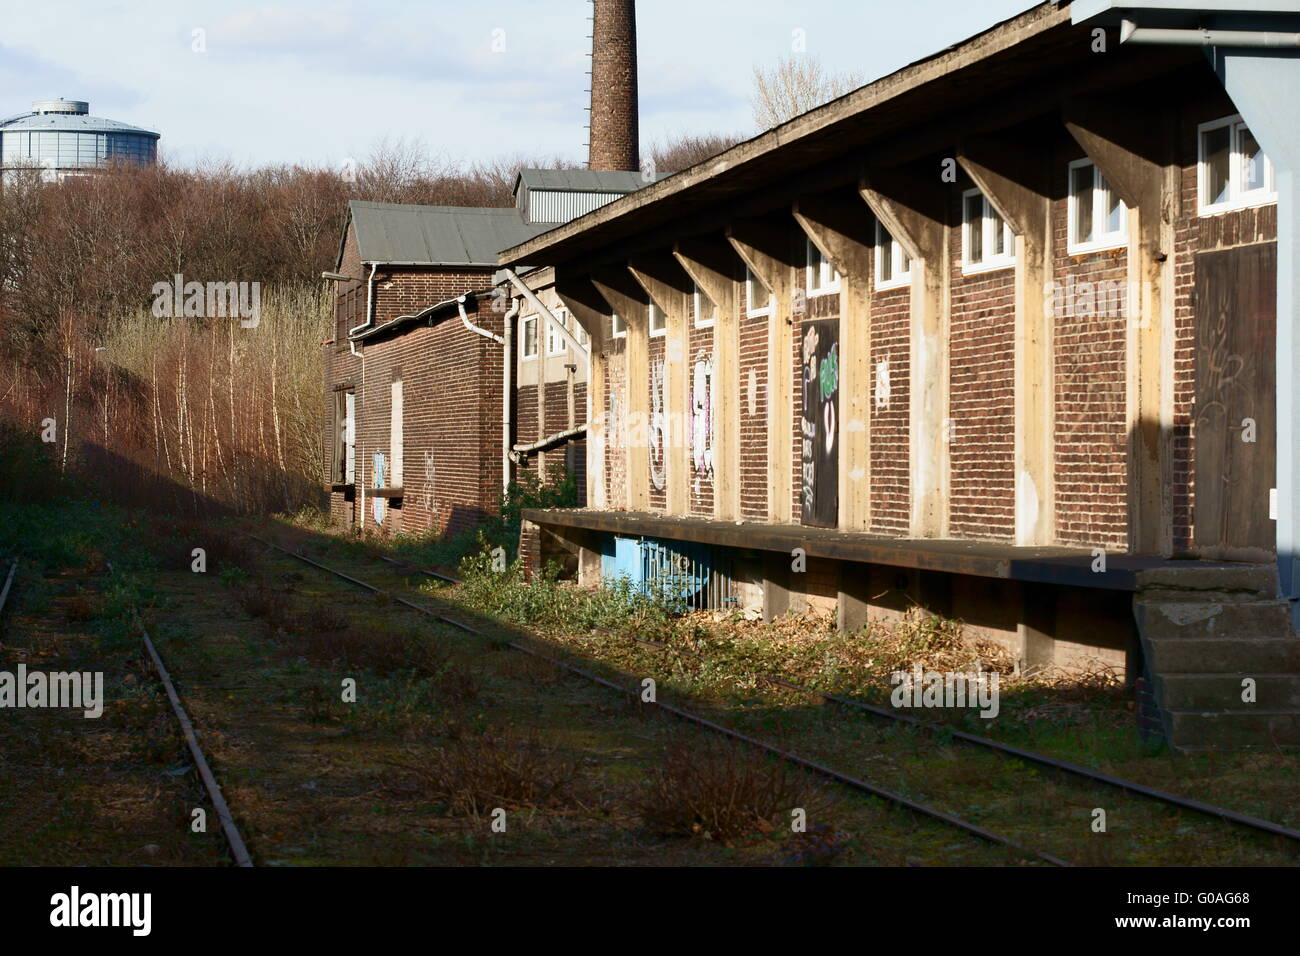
(1007, 334)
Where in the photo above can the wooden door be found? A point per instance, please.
(1236, 396)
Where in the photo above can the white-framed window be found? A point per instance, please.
(579, 332)
(987, 242)
(658, 321)
(822, 277)
(758, 301)
(528, 337)
(617, 326)
(1097, 217)
(893, 264)
(555, 344)
(1232, 171)
(706, 313)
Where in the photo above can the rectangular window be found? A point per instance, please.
(658, 321)
(395, 434)
(758, 301)
(1097, 217)
(579, 332)
(619, 330)
(1232, 170)
(987, 242)
(706, 313)
(555, 343)
(822, 277)
(528, 337)
(893, 264)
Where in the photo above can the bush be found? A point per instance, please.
(718, 790)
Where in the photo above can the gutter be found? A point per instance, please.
(1130, 32)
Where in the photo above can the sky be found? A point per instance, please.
(321, 83)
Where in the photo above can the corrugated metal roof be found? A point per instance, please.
(402, 234)
(582, 180)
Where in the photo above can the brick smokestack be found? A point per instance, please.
(614, 133)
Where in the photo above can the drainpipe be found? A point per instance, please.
(558, 437)
(506, 341)
(507, 379)
(507, 393)
(370, 308)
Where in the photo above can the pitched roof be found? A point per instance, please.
(582, 180)
(403, 234)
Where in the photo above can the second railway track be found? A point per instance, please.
(1290, 835)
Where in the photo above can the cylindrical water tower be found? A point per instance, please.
(62, 139)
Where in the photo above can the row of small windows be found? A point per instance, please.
(62, 150)
(1232, 173)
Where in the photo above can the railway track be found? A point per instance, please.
(9, 580)
(238, 848)
(1246, 821)
(854, 783)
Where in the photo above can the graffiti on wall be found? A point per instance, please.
(658, 426)
(818, 425)
(380, 505)
(429, 499)
(702, 409)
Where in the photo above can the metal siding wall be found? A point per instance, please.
(552, 205)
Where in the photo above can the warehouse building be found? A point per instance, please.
(1009, 334)
(447, 378)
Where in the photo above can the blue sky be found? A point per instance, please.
(321, 82)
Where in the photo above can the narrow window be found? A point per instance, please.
(554, 337)
(822, 277)
(893, 265)
(758, 301)
(616, 324)
(528, 336)
(658, 321)
(987, 241)
(1098, 218)
(706, 313)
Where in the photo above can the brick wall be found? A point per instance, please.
(1089, 341)
(657, 438)
(614, 130)
(451, 397)
(699, 348)
(981, 381)
(890, 476)
(753, 415)
(616, 420)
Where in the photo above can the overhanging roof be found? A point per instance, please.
(1042, 38)
(403, 234)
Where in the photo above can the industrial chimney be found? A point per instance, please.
(614, 134)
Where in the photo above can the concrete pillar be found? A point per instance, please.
(591, 311)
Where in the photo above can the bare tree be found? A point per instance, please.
(796, 85)
(673, 155)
